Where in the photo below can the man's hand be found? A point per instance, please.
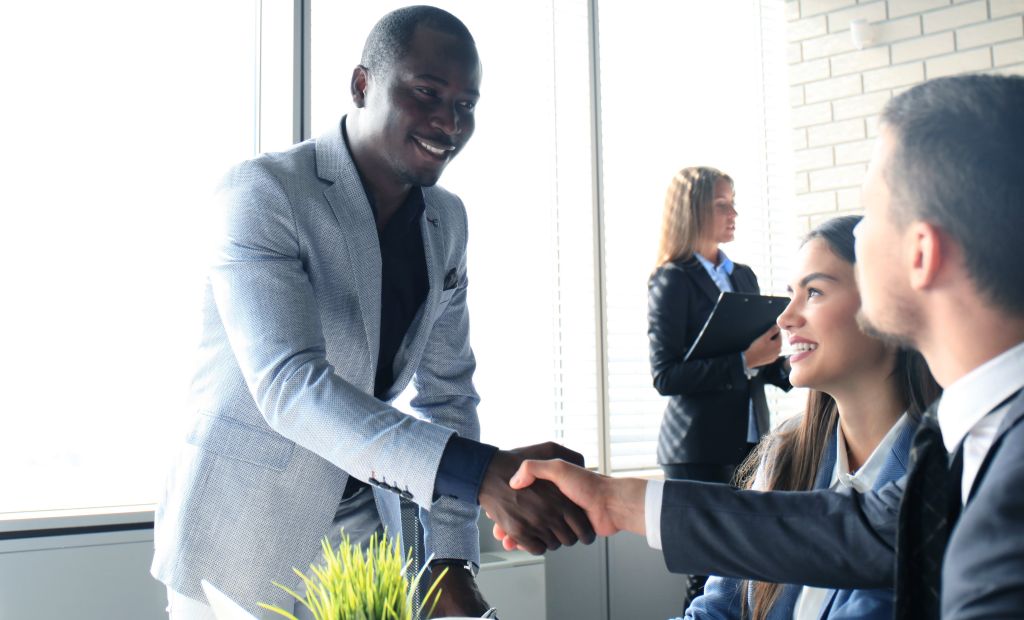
(460, 595)
(611, 504)
(538, 518)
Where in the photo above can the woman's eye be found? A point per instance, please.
(813, 292)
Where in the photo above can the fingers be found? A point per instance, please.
(531, 470)
(580, 524)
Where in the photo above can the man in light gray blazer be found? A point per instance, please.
(940, 268)
(339, 278)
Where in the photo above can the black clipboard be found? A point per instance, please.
(735, 322)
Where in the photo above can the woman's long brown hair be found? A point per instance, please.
(688, 205)
(789, 458)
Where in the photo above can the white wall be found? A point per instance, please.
(837, 91)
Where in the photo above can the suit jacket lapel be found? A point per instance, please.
(348, 200)
(1013, 417)
(701, 278)
(743, 280)
(432, 230)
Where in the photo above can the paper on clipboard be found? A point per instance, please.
(735, 322)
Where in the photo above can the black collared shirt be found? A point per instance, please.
(403, 283)
(403, 289)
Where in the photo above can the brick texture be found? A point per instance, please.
(837, 91)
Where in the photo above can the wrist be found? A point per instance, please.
(625, 504)
(453, 566)
(500, 470)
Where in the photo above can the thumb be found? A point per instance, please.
(528, 472)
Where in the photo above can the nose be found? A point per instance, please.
(791, 318)
(446, 118)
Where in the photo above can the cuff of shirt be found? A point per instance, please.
(462, 469)
(747, 370)
(652, 512)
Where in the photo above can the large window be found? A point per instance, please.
(680, 85)
(118, 119)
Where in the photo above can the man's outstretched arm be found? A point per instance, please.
(817, 538)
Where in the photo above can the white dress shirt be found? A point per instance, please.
(965, 403)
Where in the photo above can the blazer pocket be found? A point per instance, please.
(240, 441)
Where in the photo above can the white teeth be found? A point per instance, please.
(802, 347)
(436, 150)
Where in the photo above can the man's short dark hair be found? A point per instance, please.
(391, 37)
(959, 164)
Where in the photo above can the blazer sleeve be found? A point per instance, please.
(445, 395)
(776, 374)
(722, 600)
(862, 605)
(267, 304)
(821, 538)
(669, 310)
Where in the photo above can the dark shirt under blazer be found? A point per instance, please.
(709, 406)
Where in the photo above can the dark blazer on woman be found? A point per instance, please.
(707, 414)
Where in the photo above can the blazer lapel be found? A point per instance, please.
(431, 227)
(1013, 417)
(347, 198)
(701, 278)
(743, 280)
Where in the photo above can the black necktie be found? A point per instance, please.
(931, 504)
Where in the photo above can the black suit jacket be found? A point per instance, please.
(847, 540)
(708, 410)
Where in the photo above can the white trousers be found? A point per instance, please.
(357, 514)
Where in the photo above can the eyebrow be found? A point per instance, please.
(811, 277)
(433, 78)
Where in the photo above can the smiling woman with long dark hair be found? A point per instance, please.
(865, 400)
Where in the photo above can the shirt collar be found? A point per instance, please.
(973, 396)
(725, 265)
(864, 479)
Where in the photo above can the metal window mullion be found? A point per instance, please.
(301, 107)
(600, 283)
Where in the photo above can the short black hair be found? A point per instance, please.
(391, 37)
(958, 163)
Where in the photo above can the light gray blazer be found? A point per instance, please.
(283, 395)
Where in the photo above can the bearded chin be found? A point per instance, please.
(889, 338)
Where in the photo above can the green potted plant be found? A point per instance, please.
(353, 584)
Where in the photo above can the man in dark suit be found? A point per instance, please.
(940, 269)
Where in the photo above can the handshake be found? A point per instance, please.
(541, 498)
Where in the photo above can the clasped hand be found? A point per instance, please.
(537, 517)
(611, 504)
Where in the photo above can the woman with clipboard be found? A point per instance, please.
(717, 409)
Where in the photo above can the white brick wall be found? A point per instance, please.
(838, 91)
